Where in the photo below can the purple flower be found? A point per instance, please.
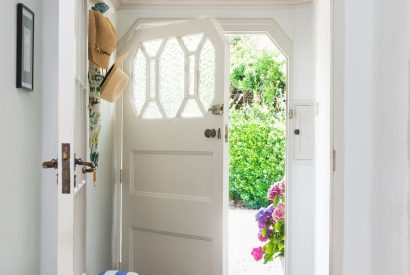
(277, 189)
(257, 253)
(259, 214)
(264, 234)
(264, 216)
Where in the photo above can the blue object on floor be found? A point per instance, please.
(117, 272)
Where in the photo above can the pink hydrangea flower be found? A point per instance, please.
(257, 253)
(279, 212)
(277, 189)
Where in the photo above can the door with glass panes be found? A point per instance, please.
(175, 149)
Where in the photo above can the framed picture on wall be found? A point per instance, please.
(25, 48)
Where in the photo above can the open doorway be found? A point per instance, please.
(258, 74)
(194, 170)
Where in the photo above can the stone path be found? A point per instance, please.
(242, 238)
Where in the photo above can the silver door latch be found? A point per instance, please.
(217, 109)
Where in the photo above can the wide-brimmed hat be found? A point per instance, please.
(115, 81)
(101, 39)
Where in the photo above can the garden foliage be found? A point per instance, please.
(258, 123)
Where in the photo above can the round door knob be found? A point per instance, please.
(210, 133)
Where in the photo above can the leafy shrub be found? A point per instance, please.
(257, 134)
(257, 75)
(257, 153)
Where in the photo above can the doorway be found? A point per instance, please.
(258, 104)
(128, 111)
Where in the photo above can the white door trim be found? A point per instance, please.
(337, 13)
(237, 25)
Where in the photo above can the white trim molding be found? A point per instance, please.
(211, 4)
(268, 26)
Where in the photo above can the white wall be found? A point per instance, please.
(298, 25)
(20, 145)
(302, 238)
(375, 135)
(49, 139)
(322, 46)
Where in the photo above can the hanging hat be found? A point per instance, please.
(101, 39)
(115, 81)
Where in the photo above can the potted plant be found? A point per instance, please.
(271, 226)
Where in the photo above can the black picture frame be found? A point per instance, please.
(25, 48)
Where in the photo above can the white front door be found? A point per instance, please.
(175, 178)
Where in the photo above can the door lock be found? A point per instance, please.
(217, 109)
(210, 133)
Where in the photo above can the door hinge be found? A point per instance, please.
(290, 113)
(121, 171)
(334, 160)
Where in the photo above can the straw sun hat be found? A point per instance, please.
(101, 39)
(115, 81)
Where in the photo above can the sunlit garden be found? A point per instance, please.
(257, 156)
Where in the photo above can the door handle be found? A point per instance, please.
(210, 133)
(88, 167)
(50, 164)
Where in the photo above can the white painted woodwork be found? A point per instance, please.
(304, 122)
(170, 4)
(175, 179)
(72, 128)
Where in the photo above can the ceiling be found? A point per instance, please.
(129, 4)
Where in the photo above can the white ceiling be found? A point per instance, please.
(135, 3)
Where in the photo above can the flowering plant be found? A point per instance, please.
(271, 225)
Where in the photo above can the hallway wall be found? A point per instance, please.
(375, 135)
(20, 158)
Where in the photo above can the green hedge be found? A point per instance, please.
(257, 153)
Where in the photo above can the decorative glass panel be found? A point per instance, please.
(171, 77)
(207, 74)
(139, 80)
(163, 82)
(192, 74)
(152, 47)
(152, 78)
(152, 111)
(191, 109)
(191, 42)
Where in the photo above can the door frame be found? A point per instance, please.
(236, 25)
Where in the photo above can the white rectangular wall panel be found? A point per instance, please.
(303, 132)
